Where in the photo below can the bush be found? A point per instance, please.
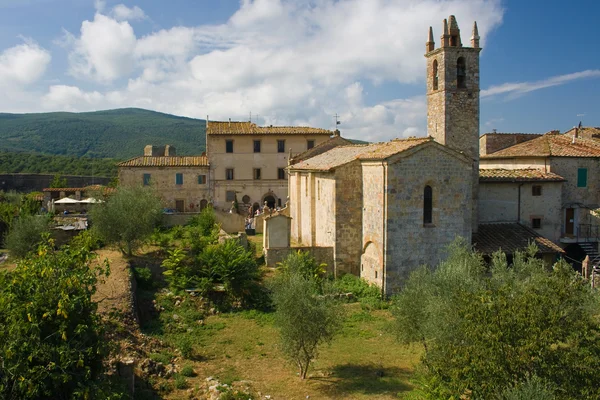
(531, 389)
(188, 371)
(206, 221)
(143, 277)
(303, 263)
(181, 382)
(26, 234)
(485, 330)
(52, 344)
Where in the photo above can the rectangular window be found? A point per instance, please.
(230, 195)
(256, 173)
(229, 146)
(582, 177)
(146, 179)
(281, 146)
(536, 223)
(257, 146)
(179, 179)
(536, 190)
(201, 179)
(229, 174)
(310, 144)
(280, 173)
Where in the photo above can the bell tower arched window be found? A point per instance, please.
(461, 73)
(427, 205)
(435, 75)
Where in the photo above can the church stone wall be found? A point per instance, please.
(325, 209)
(372, 259)
(348, 218)
(410, 242)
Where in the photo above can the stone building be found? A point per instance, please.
(182, 181)
(247, 161)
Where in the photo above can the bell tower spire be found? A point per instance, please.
(475, 36)
(430, 45)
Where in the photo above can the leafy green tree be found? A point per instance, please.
(52, 345)
(305, 318)
(128, 218)
(58, 182)
(25, 234)
(486, 330)
(303, 263)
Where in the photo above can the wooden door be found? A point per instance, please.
(179, 206)
(569, 221)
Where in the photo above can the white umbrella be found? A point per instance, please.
(66, 200)
(90, 200)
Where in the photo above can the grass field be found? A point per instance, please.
(363, 362)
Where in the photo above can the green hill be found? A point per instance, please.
(118, 134)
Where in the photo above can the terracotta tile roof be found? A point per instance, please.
(510, 237)
(550, 144)
(249, 128)
(106, 189)
(331, 159)
(586, 132)
(518, 175)
(381, 151)
(320, 149)
(173, 161)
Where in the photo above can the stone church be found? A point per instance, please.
(386, 208)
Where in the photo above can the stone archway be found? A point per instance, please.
(271, 200)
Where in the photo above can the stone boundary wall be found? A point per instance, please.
(37, 182)
(230, 223)
(321, 254)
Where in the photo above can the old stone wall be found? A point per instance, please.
(492, 142)
(276, 232)
(323, 255)
(411, 242)
(325, 209)
(499, 202)
(37, 182)
(348, 218)
(515, 163)
(374, 214)
(162, 180)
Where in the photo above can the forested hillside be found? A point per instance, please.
(118, 134)
(32, 163)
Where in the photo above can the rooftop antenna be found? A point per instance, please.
(250, 116)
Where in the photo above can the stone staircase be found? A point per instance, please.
(591, 249)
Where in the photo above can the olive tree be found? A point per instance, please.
(305, 318)
(485, 331)
(127, 218)
(25, 234)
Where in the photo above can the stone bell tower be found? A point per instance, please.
(453, 95)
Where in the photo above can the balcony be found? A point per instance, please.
(584, 233)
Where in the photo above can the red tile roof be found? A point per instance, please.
(321, 148)
(331, 159)
(550, 144)
(518, 175)
(105, 189)
(249, 128)
(510, 237)
(174, 161)
(381, 151)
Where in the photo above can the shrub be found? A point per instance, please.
(52, 344)
(26, 234)
(303, 263)
(206, 221)
(531, 389)
(188, 371)
(180, 382)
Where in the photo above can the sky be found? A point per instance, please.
(299, 62)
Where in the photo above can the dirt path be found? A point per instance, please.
(114, 293)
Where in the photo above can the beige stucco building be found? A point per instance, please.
(247, 161)
(182, 182)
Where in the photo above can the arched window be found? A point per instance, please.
(427, 205)
(461, 73)
(435, 75)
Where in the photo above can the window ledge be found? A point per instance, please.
(429, 225)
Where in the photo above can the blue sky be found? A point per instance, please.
(298, 62)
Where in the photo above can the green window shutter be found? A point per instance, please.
(179, 179)
(582, 177)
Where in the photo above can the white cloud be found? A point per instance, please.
(123, 13)
(519, 88)
(23, 64)
(104, 51)
(288, 61)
